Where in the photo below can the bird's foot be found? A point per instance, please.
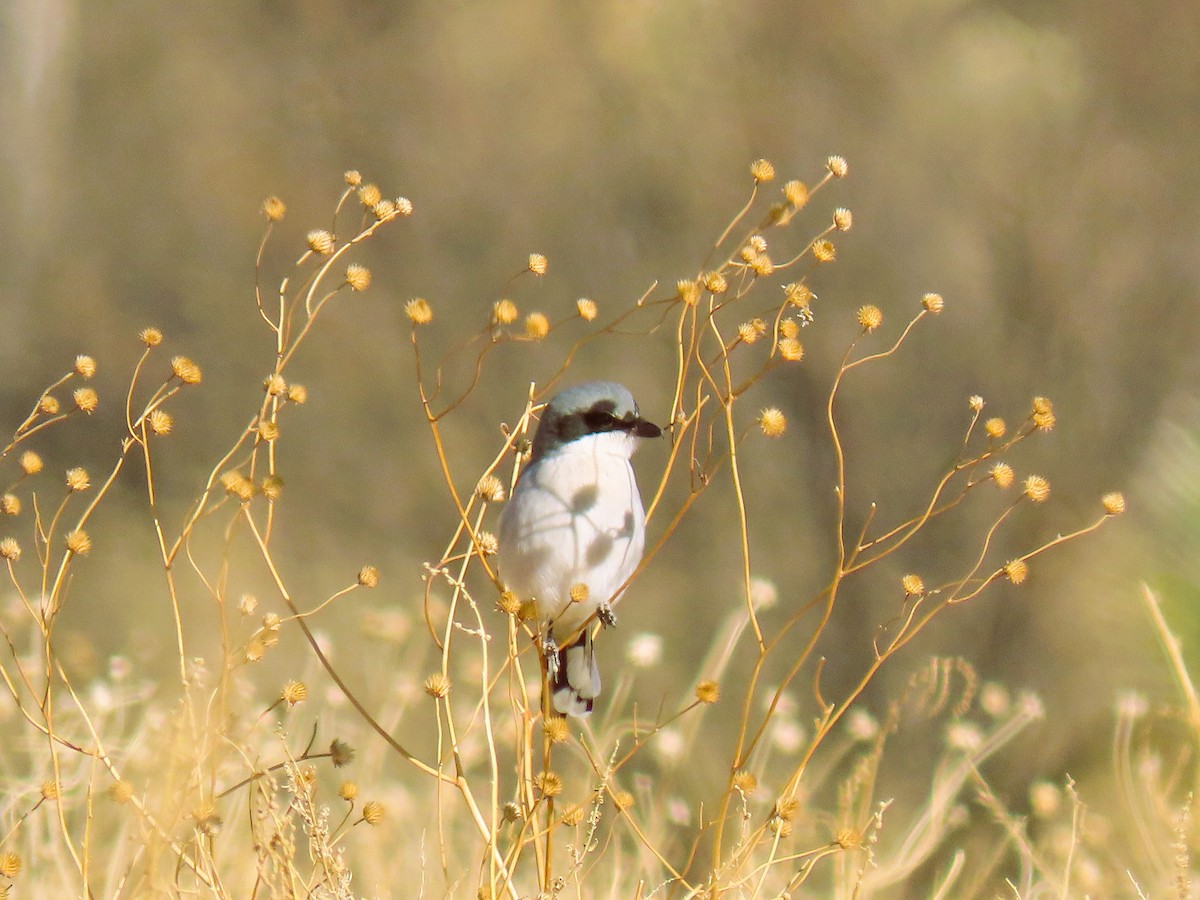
(608, 618)
(550, 651)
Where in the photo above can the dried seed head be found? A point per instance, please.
(708, 692)
(294, 692)
(762, 171)
(320, 241)
(538, 264)
(537, 326)
(527, 611)
(933, 303)
(1037, 488)
(274, 209)
(10, 864)
(348, 791)
(511, 811)
(86, 400)
(368, 577)
(744, 781)
(490, 488)
(369, 195)
(622, 800)
(869, 317)
(297, 393)
(384, 210)
(48, 405)
(488, 543)
(824, 251)
(10, 549)
(1043, 414)
(275, 385)
(688, 290)
(837, 166)
(404, 206)
(504, 312)
(1016, 570)
(995, 427)
(437, 685)
(10, 505)
(848, 838)
(762, 266)
(247, 604)
(85, 366)
(715, 283)
(358, 277)
(121, 792)
(1001, 474)
(268, 430)
(353, 177)
(557, 730)
(238, 485)
(573, 816)
(773, 422)
(78, 480)
(791, 350)
(419, 311)
(579, 592)
(509, 603)
(150, 336)
(913, 585)
(747, 333)
(31, 463)
(550, 784)
(796, 193)
(757, 243)
(785, 809)
(1114, 503)
(843, 219)
(372, 812)
(186, 370)
(798, 293)
(271, 487)
(789, 328)
(587, 309)
(79, 543)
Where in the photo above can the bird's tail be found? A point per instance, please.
(576, 684)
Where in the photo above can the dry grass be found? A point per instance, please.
(462, 786)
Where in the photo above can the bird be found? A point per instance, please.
(574, 529)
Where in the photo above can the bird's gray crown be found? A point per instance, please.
(593, 407)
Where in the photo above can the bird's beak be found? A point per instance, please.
(645, 429)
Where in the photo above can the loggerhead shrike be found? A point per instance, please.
(576, 519)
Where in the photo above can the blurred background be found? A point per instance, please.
(1033, 162)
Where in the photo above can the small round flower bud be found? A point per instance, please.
(297, 393)
(708, 692)
(48, 405)
(10, 549)
(995, 427)
(348, 790)
(586, 308)
(490, 488)
(837, 166)
(622, 800)
(509, 603)
(933, 303)
(843, 219)
(419, 311)
(86, 400)
(579, 593)
(791, 350)
(10, 505)
(186, 370)
(796, 193)
(368, 576)
(1002, 474)
(437, 685)
(538, 264)
(358, 277)
(773, 422)
(537, 326)
(1037, 488)
(353, 177)
(824, 251)
(320, 241)
(372, 812)
(762, 171)
(504, 312)
(121, 792)
(369, 195)
(85, 366)
(294, 692)
(715, 283)
(550, 784)
(79, 543)
(78, 480)
(404, 206)
(1114, 503)
(150, 336)
(869, 317)
(274, 209)
(1016, 571)
(557, 730)
(688, 290)
(31, 463)
(913, 585)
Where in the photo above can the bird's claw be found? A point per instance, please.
(608, 618)
(550, 651)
